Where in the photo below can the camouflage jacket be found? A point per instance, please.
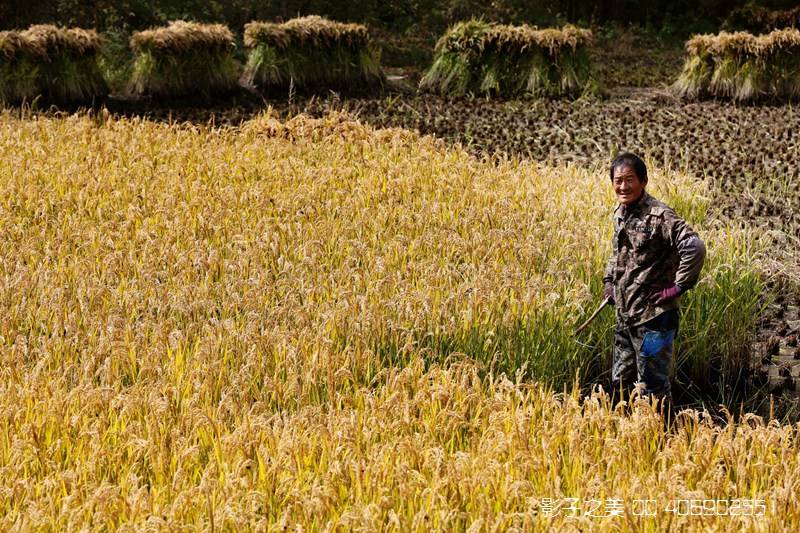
(653, 247)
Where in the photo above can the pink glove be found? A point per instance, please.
(608, 292)
(665, 294)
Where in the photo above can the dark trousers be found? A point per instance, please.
(643, 355)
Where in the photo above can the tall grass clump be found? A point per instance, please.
(184, 59)
(493, 59)
(312, 324)
(741, 66)
(58, 64)
(310, 53)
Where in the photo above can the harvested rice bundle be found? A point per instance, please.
(742, 66)
(481, 57)
(184, 58)
(310, 52)
(57, 63)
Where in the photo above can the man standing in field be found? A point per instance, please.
(656, 257)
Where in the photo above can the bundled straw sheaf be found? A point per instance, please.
(308, 53)
(57, 63)
(480, 57)
(742, 66)
(182, 59)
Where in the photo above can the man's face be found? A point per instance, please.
(627, 185)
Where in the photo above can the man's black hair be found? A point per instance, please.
(630, 160)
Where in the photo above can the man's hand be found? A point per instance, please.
(608, 292)
(665, 294)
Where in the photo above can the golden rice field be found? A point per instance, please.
(319, 326)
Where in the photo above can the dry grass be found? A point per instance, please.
(190, 321)
(480, 57)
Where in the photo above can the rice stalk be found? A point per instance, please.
(724, 80)
(538, 81)
(695, 77)
(450, 73)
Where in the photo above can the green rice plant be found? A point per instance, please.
(310, 53)
(184, 59)
(58, 64)
(718, 323)
(741, 66)
(481, 57)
